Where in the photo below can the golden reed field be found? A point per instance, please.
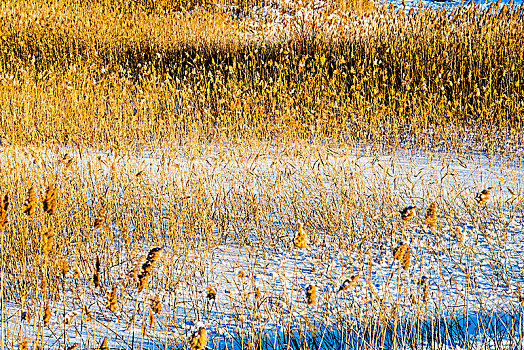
(261, 175)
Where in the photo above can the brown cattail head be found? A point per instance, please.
(50, 200)
(424, 285)
(4, 206)
(96, 275)
(30, 203)
(483, 196)
(88, 316)
(311, 294)
(348, 283)
(47, 242)
(403, 253)
(154, 254)
(406, 259)
(73, 347)
(47, 314)
(100, 217)
(104, 346)
(400, 250)
(156, 305)
(198, 340)
(459, 235)
(111, 303)
(300, 239)
(211, 293)
(26, 316)
(23, 344)
(407, 213)
(431, 215)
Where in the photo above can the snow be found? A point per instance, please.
(472, 284)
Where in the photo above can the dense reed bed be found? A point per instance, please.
(94, 72)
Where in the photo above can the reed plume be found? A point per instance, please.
(4, 206)
(311, 294)
(100, 217)
(407, 213)
(431, 215)
(347, 284)
(483, 196)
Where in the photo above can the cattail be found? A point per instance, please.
(241, 274)
(88, 316)
(76, 271)
(100, 218)
(156, 305)
(112, 300)
(142, 282)
(73, 347)
(311, 294)
(211, 293)
(348, 283)
(399, 251)
(407, 213)
(23, 344)
(300, 239)
(30, 204)
(96, 275)
(406, 259)
(154, 254)
(423, 283)
(26, 316)
(4, 206)
(459, 235)
(47, 314)
(104, 346)
(431, 215)
(64, 267)
(50, 200)
(198, 340)
(47, 242)
(136, 267)
(483, 196)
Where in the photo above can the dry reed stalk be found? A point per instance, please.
(483, 196)
(50, 200)
(347, 284)
(210, 293)
(198, 340)
(431, 215)
(100, 217)
(30, 203)
(300, 239)
(311, 294)
(407, 213)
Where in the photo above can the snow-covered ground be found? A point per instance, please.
(473, 294)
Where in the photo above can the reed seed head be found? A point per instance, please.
(198, 340)
(311, 294)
